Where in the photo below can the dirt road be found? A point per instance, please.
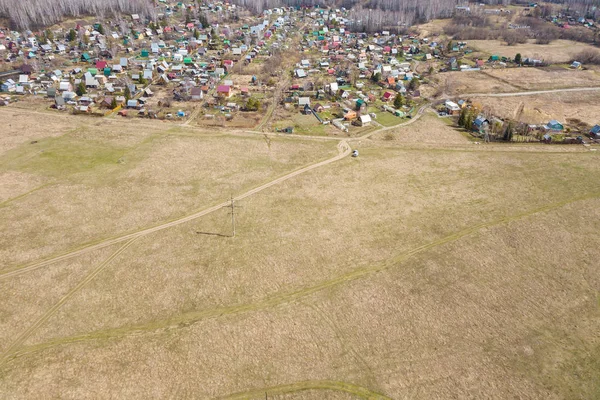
(529, 93)
(343, 148)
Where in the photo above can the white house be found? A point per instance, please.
(364, 120)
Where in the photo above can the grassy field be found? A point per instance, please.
(79, 185)
(558, 51)
(428, 267)
(545, 107)
(510, 80)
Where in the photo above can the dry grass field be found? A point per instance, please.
(513, 80)
(545, 107)
(558, 51)
(78, 180)
(428, 267)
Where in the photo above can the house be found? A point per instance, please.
(554, 126)
(387, 96)
(107, 102)
(85, 101)
(333, 88)
(364, 120)
(350, 115)
(480, 124)
(318, 108)
(59, 102)
(132, 103)
(452, 108)
(196, 93)
(224, 91)
(8, 86)
(300, 73)
(595, 132)
(302, 101)
(65, 86)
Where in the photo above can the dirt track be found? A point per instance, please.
(529, 93)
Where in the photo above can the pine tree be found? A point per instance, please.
(127, 93)
(113, 103)
(469, 121)
(398, 101)
(518, 59)
(100, 29)
(413, 84)
(462, 117)
(72, 35)
(81, 90)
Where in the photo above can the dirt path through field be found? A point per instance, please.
(187, 319)
(337, 386)
(529, 93)
(343, 149)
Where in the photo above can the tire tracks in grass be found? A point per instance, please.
(346, 347)
(50, 312)
(337, 386)
(343, 151)
(190, 318)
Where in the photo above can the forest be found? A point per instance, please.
(31, 14)
(366, 15)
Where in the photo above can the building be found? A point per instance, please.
(554, 126)
(224, 91)
(595, 132)
(452, 108)
(364, 120)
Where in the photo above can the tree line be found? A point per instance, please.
(29, 14)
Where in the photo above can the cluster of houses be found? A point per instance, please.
(343, 76)
(113, 64)
(484, 126)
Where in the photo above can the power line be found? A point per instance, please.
(232, 206)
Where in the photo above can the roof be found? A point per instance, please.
(223, 89)
(595, 129)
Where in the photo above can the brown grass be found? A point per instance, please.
(415, 270)
(545, 107)
(100, 182)
(558, 51)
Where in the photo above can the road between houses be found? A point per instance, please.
(344, 150)
(529, 93)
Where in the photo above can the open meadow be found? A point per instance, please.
(541, 108)
(427, 267)
(508, 80)
(557, 51)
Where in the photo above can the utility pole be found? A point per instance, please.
(233, 207)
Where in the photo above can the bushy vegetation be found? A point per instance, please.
(35, 13)
(588, 57)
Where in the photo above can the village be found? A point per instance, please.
(297, 199)
(292, 70)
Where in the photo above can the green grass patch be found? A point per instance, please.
(387, 119)
(62, 157)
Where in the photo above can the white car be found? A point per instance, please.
(354, 153)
